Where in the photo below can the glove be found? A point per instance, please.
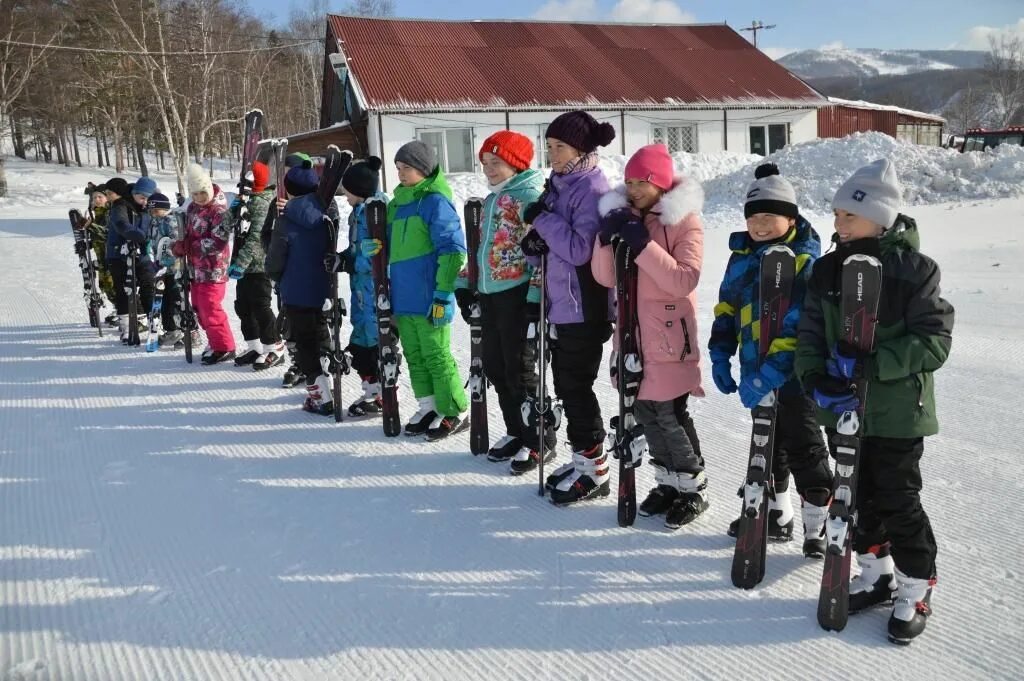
(532, 313)
(466, 300)
(635, 234)
(612, 224)
(332, 262)
(80, 248)
(235, 203)
(847, 361)
(370, 247)
(442, 310)
(752, 390)
(533, 211)
(533, 244)
(167, 260)
(834, 395)
(236, 272)
(721, 372)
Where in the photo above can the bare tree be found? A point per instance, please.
(371, 8)
(966, 110)
(1004, 72)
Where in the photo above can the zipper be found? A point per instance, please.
(686, 339)
(920, 391)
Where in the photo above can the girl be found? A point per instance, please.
(565, 224)
(658, 215)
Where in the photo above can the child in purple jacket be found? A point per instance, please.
(565, 224)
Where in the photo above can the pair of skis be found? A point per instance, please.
(389, 358)
(336, 364)
(93, 299)
(252, 135)
(479, 434)
(185, 316)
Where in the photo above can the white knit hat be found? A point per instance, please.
(873, 192)
(199, 180)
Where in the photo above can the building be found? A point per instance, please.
(843, 117)
(453, 83)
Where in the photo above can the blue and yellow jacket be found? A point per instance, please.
(736, 323)
(363, 311)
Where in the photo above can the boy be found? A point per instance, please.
(774, 218)
(162, 232)
(893, 538)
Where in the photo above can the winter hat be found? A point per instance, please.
(301, 179)
(118, 185)
(144, 186)
(511, 147)
(873, 192)
(417, 155)
(362, 179)
(653, 164)
(579, 130)
(198, 180)
(260, 176)
(158, 200)
(770, 193)
(297, 159)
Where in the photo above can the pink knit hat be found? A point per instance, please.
(652, 163)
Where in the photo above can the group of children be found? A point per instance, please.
(563, 231)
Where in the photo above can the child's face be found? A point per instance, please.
(409, 176)
(642, 194)
(851, 227)
(111, 196)
(495, 168)
(560, 154)
(200, 198)
(99, 199)
(352, 199)
(768, 227)
(159, 212)
(140, 199)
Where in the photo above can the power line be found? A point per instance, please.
(148, 53)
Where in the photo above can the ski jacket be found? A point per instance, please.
(296, 257)
(426, 245)
(207, 241)
(912, 337)
(251, 254)
(156, 229)
(502, 264)
(737, 324)
(570, 226)
(668, 270)
(124, 224)
(363, 309)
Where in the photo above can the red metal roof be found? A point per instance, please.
(410, 65)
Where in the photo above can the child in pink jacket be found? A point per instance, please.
(658, 215)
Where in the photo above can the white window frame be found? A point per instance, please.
(540, 156)
(443, 161)
(679, 125)
(767, 138)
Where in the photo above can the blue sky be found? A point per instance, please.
(801, 24)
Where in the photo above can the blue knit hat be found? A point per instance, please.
(158, 200)
(301, 180)
(144, 186)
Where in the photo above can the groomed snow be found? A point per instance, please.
(166, 521)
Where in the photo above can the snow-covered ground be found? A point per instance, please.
(166, 521)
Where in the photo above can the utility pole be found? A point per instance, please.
(756, 26)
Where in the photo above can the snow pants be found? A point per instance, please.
(252, 305)
(889, 504)
(671, 437)
(432, 369)
(171, 303)
(509, 359)
(144, 281)
(365, 361)
(575, 361)
(307, 327)
(208, 302)
(799, 446)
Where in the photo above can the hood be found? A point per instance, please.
(685, 197)
(437, 183)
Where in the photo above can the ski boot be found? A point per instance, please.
(504, 449)
(526, 459)
(780, 518)
(293, 377)
(446, 426)
(424, 417)
(122, 327)
(692, 499)
(318, 397)
(814, 512)
(660, 498)
(588, 477)
(270, 358)
(172, 338)
(217, 356)
(876, 583)
(912, 608)
(112, 319)
(370, 404)
(251, 355)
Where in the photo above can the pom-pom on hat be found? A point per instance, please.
(301, 179)
(770, 193)
(363, 178)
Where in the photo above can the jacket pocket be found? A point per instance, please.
(664, 335)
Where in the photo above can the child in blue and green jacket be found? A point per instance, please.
(773, 218)
(507, 292)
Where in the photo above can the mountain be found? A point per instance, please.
(845, 62)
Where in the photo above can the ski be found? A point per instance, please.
(337, 364)
(279, 149)
(389, 357)
(93, 299)
(861, 282)
(252, 135)
(777, 272)
(186, 316)
(131, 287)
(626, 437)
(539, 411)
(479, 438)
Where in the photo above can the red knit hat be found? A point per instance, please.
(260, 176)
(653, 164)
(511, 147)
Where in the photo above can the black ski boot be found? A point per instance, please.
(912, 609)
(876, 583)
(658, 501)
(588, 478)
(423, 418)
(293, 377)
(250, 355)
(691, 502)
(526, 460)
(270, 358)
(504, 449)
(814, 512)
(216, 357)
(447, 426)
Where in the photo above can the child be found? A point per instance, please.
(893, 538)
(124, 225)
(658, 215)
(565, 224)
(773, 218)
(99, 207)
(163, 229)
(254, 288)
(426, 250)
(295, 260)
(207, 242)
(359, 183)
(508, 298)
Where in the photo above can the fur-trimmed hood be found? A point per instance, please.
(685, 197)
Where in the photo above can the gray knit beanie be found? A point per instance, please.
(418, 155)
(873, 192)
(770, 193)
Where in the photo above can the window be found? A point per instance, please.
(453, 146)
(541, 155)
(675, 137)
(767, 139)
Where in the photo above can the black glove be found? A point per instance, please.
(533, 244)
(466, 300)
(533, 211)
(612, 224)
